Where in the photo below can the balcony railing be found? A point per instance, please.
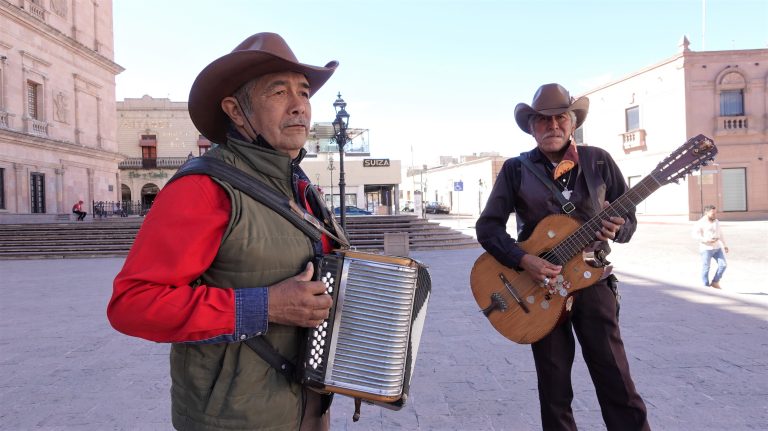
(732, 125)
(5, 121)
(36, 127)
(633, 140)
(159, 163)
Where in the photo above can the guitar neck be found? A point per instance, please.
(585, 235)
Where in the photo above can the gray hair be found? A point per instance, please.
(243, 96)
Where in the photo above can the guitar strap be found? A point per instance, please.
(566, 205)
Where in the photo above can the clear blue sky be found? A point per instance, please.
(429, 78)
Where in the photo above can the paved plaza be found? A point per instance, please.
(699, 356)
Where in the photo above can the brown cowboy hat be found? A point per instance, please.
(260, 54)
(551, 99)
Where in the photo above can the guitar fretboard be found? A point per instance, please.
(585, 234)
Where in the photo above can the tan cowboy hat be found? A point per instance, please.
(257, 55)
(551, 99)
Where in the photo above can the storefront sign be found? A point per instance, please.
(375, 163)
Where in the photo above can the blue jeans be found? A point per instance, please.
(706, 257)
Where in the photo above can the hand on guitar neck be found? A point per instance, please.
(543, 270)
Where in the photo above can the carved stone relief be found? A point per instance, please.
(60, 107)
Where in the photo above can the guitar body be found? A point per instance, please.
(545, 307)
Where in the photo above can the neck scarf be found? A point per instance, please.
(569, 161)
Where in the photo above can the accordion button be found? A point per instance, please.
(314, 343)
(314, 366)
(312, 352)
(328, 274)
(322, 342)
(324, 333)
(319, 361)
(325, 324)
(330, 289)
(311, 361)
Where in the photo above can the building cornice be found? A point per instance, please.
(65, 147)
(54, 35)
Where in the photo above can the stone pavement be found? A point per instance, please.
(699, 356)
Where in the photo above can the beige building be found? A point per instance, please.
(57, 107)
(156, 136)
(641, 118)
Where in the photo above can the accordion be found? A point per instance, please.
(367, 347)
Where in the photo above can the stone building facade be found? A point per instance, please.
(643, 117)
(57, 107)
(156, 136)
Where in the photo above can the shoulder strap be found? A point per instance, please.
(260, 192)
(566, 205)
(272, 357)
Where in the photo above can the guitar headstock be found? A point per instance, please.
(696, 152)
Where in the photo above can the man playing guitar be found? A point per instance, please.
(586, 179)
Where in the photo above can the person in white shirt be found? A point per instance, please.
(711, 245)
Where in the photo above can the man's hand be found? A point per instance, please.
(298, 301)
(610, 226)
(539, 269)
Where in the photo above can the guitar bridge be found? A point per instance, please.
(497, 302)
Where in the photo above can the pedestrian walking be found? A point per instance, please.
(707, 232)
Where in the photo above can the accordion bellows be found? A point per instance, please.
(367, 347)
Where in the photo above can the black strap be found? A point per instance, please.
(253, 187)
(566, 205)
(270, 356)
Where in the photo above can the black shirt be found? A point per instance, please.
(519, 191)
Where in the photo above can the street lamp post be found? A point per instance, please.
(331, 168)
(340, 132)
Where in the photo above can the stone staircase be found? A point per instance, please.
(114, 236)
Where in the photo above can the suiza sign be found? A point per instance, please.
(375, 163)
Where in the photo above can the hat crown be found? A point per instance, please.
(270, 43)
(551, 96)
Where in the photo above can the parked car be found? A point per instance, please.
(437, 208)
(349, 210)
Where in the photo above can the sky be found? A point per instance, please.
(429, 78)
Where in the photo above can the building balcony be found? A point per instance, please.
(157, 163)
(5, 120)
(732, 125)
(36, 127)
(633, 140)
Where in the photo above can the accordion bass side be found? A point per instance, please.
(367, 347)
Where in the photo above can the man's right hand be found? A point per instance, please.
(298, 301)
(540, 270)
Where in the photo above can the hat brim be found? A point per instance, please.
(523, 112)
(226, 74)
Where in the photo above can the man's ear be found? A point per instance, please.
(230, 107)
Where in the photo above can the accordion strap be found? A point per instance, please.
(270, 356)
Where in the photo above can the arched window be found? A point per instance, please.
(731, 88)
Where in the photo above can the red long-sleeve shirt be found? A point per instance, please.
(178, 240)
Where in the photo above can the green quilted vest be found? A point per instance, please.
(227, 386)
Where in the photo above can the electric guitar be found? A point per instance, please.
(524, 310)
